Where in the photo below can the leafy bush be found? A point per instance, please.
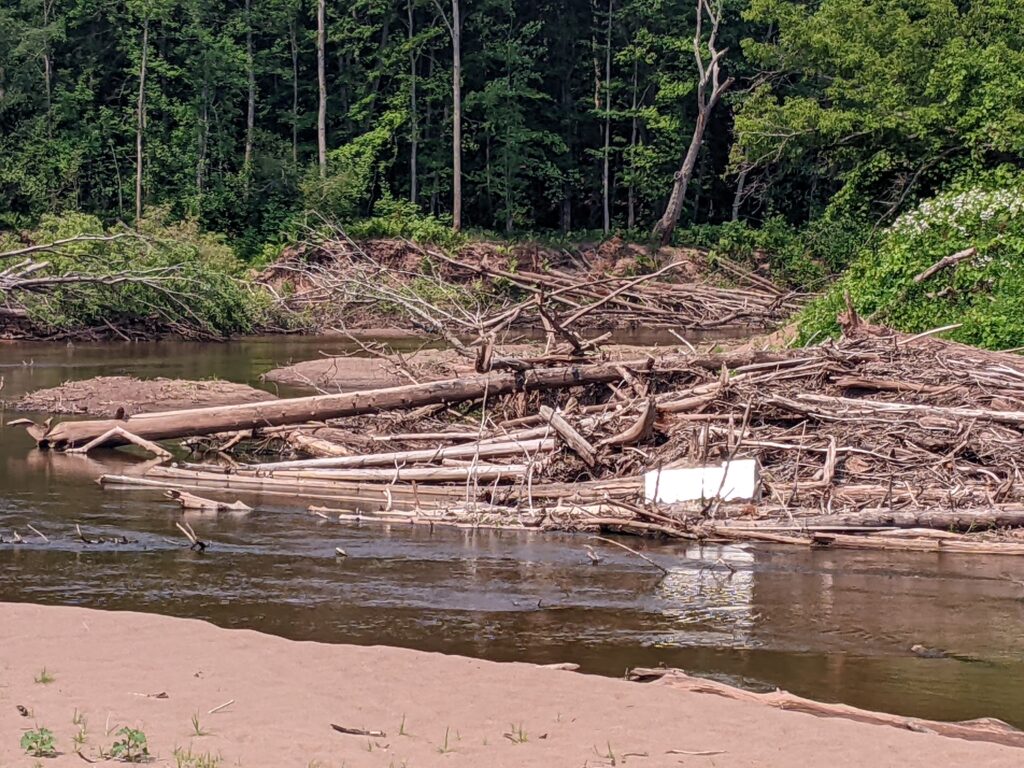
(985, 293)
(797, 258)
(352, 170)
(402, 218)
(193, 280)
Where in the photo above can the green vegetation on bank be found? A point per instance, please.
(984, 292)
(159, 278)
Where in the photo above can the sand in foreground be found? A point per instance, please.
(456, 711)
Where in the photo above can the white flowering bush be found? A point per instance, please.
(984, 293)
(962, 212)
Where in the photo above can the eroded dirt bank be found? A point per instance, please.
(434, 709)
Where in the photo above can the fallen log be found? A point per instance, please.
(1008, 516)
(848, 406)
(399, 474)
(189, 501)
(983, 729)
(315, 446)
(470, 451)
(945, 261)
(568, 433)
(202, 421)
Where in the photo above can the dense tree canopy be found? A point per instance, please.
(839, 108)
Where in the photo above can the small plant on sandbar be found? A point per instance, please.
(39, 743)
(131, 747)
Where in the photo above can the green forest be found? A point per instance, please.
(819, 132)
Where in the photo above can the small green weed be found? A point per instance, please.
(44, 677)
(39, 743)
(131, 747)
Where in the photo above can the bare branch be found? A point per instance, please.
(47, 247)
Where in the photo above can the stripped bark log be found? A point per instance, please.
(118, 436)
(190, 501)
(1009, 516)
(568, 433)
(201, 421)
(396, 458)
(982, 729)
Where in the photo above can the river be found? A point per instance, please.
(835, 626)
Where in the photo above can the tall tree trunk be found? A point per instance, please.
(605, 170)
(414, 135)
(321, 73)
(456, 30)
(295, 91)
(250, 116)
(140, 125)
(631, 193)
(667, 223)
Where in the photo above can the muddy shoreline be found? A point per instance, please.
(256, 700)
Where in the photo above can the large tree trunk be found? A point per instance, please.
(667, 223)
(140, 124)
(456, 117)
(321, 73)
(204, 421)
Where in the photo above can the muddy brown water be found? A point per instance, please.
(835, 626)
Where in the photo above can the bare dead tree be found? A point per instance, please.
(710, 89)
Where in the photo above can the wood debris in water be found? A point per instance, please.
(878, 440)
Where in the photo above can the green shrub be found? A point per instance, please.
(198, 284)
(402, 218)
(985, 293)
(796, 258)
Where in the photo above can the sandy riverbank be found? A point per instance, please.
(287, 694)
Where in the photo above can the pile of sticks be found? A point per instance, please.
(333, 274)
(878, 440)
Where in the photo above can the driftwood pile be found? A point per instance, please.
(482, 289)
(879, 440)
